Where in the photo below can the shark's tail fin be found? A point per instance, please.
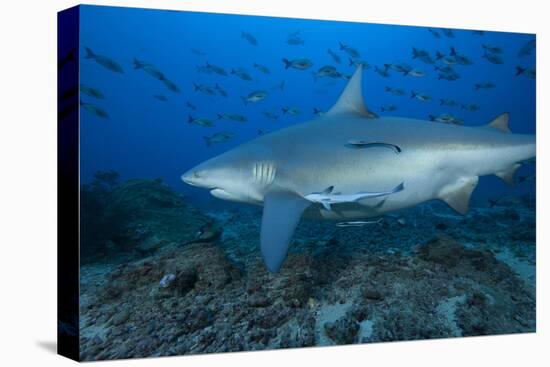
(190, 119)
(196, 87)
(220, 116)
(245, 101)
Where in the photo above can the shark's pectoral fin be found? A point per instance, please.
(457, 195)
(351, 99)
(508, 174)
(282, 212)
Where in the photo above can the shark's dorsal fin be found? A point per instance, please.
(282, 212)
(328, 190)
(351, 99)
(501, 123)
(457, 195)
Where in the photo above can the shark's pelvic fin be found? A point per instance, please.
(501, 123)
(508, 174)
(326, 205)
(351, 99)
(282, 212)
(457, 195)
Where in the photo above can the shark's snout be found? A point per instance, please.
(192, 177)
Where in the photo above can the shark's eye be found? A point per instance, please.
(196, 174)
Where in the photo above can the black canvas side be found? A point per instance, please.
(68, 183)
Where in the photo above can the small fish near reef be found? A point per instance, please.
(148, 68)
(254, 97)
(98, 111)
(104, 61)
(207, 233)
(249, 37)
(92, 92)
(201, 121)
(298, 64)
(352, 52)
(232, 116)
(217, 138)
(295, 39)
(526, 72)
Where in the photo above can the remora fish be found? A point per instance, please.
(279, 169)
(328, 197)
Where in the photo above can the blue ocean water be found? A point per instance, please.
(145, 137)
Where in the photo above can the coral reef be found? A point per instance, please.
(205, 289)
(133, 219)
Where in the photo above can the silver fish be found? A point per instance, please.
(256, 96)
(201, 121)
(359, 223)
(300, 64)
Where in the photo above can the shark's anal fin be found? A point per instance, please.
(457, 195)
(508, 174)
(351, 99)
(282, 212)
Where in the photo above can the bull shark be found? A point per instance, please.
(280, 169)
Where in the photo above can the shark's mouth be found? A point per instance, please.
(217, 192)
(224, 195)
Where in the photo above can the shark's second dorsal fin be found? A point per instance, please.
(501, 123)
(351, 99)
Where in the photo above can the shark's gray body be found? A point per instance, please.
(437, 161)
